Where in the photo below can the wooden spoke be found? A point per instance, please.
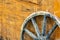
(30, 33)
(36, 27)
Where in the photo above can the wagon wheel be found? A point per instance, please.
(39, 35)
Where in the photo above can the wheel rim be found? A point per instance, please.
(40, 36)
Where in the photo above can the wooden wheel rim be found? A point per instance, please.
(37, 14)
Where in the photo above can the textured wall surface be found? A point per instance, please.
(13, 13)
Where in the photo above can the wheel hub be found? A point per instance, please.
(42, 38)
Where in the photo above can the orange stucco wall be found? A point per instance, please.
(13, 13)
(57, 7)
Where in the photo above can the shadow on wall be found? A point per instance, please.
(1, 38)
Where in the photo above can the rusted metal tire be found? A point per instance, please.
(40, 35)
